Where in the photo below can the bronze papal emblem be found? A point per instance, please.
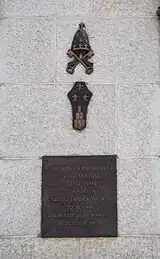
(79, 97)
(80, 51)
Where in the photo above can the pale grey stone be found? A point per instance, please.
(126, 50)
(28, 48)
(36, 120)
(20, 195)
(43, 7)
(138, 120)
(135, 187)
(57, 248)
(125, 7)
(155, 120)
(156, 248)
(106, 248)
(16, 248)
(116, 248)
(27, 248)
(156, 195)
(2, 58)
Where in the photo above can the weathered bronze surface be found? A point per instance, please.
(79, 196)
(158, 12)
(80, 51)
(79, 97)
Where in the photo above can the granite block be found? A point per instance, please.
(138, 120)
(26, 248)
(123, 50)
(135, 193)
(37, 120)
(28, 48)
(116, 248)
(16, 248)
(57, 248)
(20, 195)
(155, 120)
(125, 7)
(1, 56)
(42, 7)
(108, 248)
(156, 247)
(156, 195)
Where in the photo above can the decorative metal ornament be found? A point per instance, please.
(80, 51)
(158, 12)
(79, 97)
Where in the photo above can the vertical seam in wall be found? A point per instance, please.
(79, 250)
(152, 201)
(3, 67)
(55, 20)
(92, 7)
(153, 250)
(117, 120)
(158, 52)
(153, 172)
(153, 209)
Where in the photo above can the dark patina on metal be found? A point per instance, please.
(79, 196)
(79, 97)
(158, 12)
(80, 51)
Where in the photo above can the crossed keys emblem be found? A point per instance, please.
(80, 51)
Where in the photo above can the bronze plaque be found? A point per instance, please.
(79, 196)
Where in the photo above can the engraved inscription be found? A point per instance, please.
(79, 196)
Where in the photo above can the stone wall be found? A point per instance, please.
(123, 119)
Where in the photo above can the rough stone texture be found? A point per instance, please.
(101, 248)
(138, 120)
(28, 47)
(156, 195)
(20, 192)
(155, 120)
(123, 50)
(39, 249)
(17, 248)
(41, 7)
(57, 248)
(123, 119)
(26, 134)
(125, 248)
(124, 7)
(135, 207)
(1, 56)
(156, 248)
